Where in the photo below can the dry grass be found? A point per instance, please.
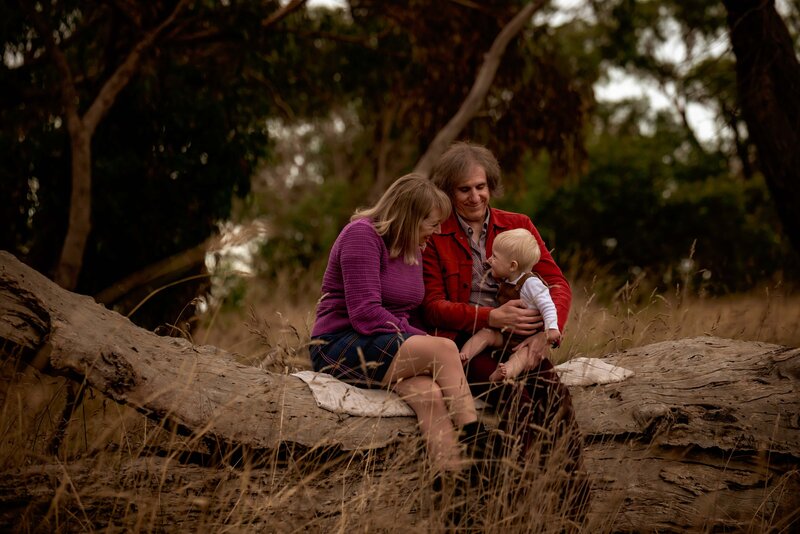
(637, 316)
(276, 320)
(118, 471)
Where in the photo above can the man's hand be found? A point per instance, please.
(514, 316)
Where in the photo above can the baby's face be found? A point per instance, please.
(501, 263)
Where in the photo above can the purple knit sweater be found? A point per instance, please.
(364, 289)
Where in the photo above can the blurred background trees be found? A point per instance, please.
(295, 114)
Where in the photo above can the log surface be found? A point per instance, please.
(704, 436)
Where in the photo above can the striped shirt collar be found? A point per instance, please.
(468, 229)
(483, 288)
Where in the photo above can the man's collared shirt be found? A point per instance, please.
(484, 286)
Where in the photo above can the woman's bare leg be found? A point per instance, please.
(437, 357)
(426, 399)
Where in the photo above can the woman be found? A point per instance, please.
(363, 332)
(460, 299)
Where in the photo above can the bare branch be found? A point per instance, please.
(120, 78)
(175, 263)
(282, 13)
(473, 5)
(476, 96)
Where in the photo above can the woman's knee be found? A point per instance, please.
(435, 349)
(447, 351)
(439, 345)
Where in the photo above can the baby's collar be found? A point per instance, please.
(515, 280)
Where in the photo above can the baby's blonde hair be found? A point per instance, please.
(519, 245)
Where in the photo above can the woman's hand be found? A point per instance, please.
(514, 316)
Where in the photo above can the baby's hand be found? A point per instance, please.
(554, 337)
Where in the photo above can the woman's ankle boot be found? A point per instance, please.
(484, 447)
(478, 440)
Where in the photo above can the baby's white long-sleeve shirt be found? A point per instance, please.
(536, 295)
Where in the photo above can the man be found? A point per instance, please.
(460, 300)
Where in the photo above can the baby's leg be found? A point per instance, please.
(516, 363)
(485, 337)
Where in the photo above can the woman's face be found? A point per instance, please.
(471, 196)
(432, 224)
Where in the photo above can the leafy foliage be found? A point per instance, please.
(178, 144)
(652, 202)
(308, 119)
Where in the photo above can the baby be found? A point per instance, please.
(514, 254)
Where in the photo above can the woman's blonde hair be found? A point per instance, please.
(520, 245)
(400, 210)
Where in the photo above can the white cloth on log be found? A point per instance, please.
(584, 371)
(333, 395)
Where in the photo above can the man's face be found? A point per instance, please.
(471, 196)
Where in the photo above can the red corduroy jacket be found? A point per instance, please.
(447, 267)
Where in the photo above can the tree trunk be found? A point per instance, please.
(768, 80)
(197, 387)
(80, 208)
(704, 436)
(81, 131)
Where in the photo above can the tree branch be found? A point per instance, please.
(175, 263)
(483, 82)
(282, 13)
(120, 78)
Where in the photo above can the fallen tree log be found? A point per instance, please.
(199, 389)
(705, 435)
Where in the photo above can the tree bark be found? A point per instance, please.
(704, 436)
(768, 80)
(483, 82)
